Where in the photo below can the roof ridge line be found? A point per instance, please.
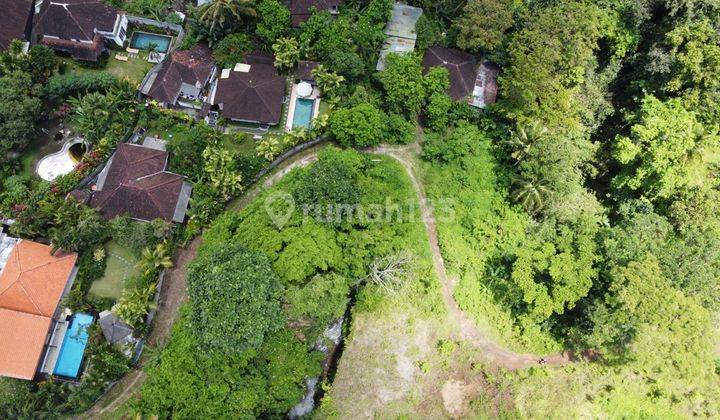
(20, 282)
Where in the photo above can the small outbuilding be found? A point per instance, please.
(470, 79)
(117, 332)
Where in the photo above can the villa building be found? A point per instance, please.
(33, 281)
(251, 92)
(79, 28)
(136, 182)
(470, 80)
(182, 78)
(16, 22)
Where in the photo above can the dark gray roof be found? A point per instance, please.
(113, 328)
(254, 94)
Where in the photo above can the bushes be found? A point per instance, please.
(190, 383)
(331, 181)
(365, 126)
(232, 49)
(234, 300)
(274, 20)
(71, 84)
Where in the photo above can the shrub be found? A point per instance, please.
(234, 299)
(360, 126)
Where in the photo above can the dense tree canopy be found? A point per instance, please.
(234, 297)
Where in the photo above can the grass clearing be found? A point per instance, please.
(120, 267)
(134, 69)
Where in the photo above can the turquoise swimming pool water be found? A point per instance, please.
(73, 346)
(141, 41)
(303, 113)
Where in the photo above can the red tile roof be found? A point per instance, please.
(461, 66)
(192, 67)
(300, 9)
(15, 21)
(74, 19)
(78, 50)
(22, 340)
(31, 286)
(33, 280)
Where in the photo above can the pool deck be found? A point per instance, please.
(291, 106)
(53, 348)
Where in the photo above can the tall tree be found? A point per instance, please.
(667, 151)
(234, 299)
(221, 13)
(19, 111)
(483, 24)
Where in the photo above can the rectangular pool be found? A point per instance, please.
(73, 346)
(142, 40)
(303, 112)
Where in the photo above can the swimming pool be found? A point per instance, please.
(303, 112)
(142, 40)
(73, 346)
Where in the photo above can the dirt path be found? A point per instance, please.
(174, 293)
(467, 329)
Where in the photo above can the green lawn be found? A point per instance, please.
(120, 267)
(234, 141)
(134, 69)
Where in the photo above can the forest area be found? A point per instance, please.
(580, 214)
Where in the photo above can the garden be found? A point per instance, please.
(283, 289)
(121, 265)
(133, 69)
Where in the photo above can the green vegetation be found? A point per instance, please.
(134, 69)
(248, 310)
(120, 267)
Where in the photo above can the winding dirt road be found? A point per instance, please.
(174, 291)
(468, 331)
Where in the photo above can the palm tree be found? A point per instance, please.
(155, 259)
(522, 140)
(134, 304)
(218, 12)
(91, 115)
(530, 193)
(287, 52)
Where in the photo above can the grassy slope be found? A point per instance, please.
(401, 353)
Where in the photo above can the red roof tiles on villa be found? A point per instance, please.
(300, 10)
(461, 66)
(193, 67)
(32, 284)
(255, 95)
